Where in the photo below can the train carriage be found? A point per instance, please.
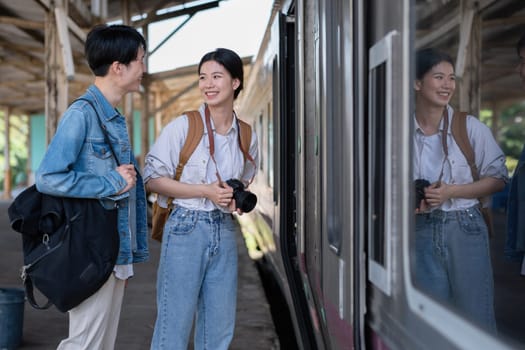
(330, 96)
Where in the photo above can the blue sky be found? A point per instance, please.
(236, 24)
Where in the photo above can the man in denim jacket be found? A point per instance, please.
(80, 163)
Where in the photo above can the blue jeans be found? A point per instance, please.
(453, 262)
(197, 275)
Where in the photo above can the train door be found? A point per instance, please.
(329, 179)
(338, 177)
(403, 313)
(469, 44)
(386, 160)
(285, 170)
(309, 190)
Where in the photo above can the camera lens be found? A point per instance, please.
(420, 185)
(244, 200)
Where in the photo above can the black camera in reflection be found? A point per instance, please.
(244, 200)
(420, 185)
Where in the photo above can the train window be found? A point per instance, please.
(270, 148)
(461, 281)
(273, 122)
(379, 154)
(260, 137)
(334, 140)
(377, 181)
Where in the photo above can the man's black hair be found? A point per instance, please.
(106, 44)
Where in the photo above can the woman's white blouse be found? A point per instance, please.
(429, 158)
(162, 160)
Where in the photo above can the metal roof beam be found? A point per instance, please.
(185, 11)
(22, 23)
(174, 98)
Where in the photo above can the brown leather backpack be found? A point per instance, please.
(195, 131)
(459, 132)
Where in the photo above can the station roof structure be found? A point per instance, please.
(32, 49)
(481, 36)
(28, 29)
(42, 64)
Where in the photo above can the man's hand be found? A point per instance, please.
(127, 171)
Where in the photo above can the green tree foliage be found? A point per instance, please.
(511, 133)
(513, 130)
(18, 151)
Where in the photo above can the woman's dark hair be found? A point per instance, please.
(229, 60)
(428, 58)
(107, 44)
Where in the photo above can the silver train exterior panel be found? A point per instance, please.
(330, 97)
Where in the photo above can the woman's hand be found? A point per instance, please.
(221, 194)
(423, 207)
(437, 193)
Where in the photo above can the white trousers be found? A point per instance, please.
(93, 324)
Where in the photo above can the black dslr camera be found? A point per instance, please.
(244, 200)
(420, 185)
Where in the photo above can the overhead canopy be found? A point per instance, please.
(24, 54)
(450, 24)
(480, 35)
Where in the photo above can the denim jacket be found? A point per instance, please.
(515, 242)
(79, 163)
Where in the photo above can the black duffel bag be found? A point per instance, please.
(70, 246)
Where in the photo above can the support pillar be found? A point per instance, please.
(7, 165)
(468, 68)
(56, 80)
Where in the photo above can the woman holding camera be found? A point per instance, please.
(197, 273)
(452, 247)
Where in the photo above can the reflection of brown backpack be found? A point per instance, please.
(459, 132)
(195, 131)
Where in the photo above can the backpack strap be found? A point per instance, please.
(460, 135)
(193, 137)
(245, 139)
(195, 132)
(459, 132)
(101, 125)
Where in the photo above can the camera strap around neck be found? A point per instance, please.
(444, 132)
(212, 144)
(211, 141)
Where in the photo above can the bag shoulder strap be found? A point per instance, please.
(195, 132)
(193, 137)
(459, 132)
(245, 138)
(101, 125)
(28, 284)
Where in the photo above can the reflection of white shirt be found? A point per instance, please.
(429, 158)
(162, 159)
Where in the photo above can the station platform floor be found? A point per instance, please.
(43, 329)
